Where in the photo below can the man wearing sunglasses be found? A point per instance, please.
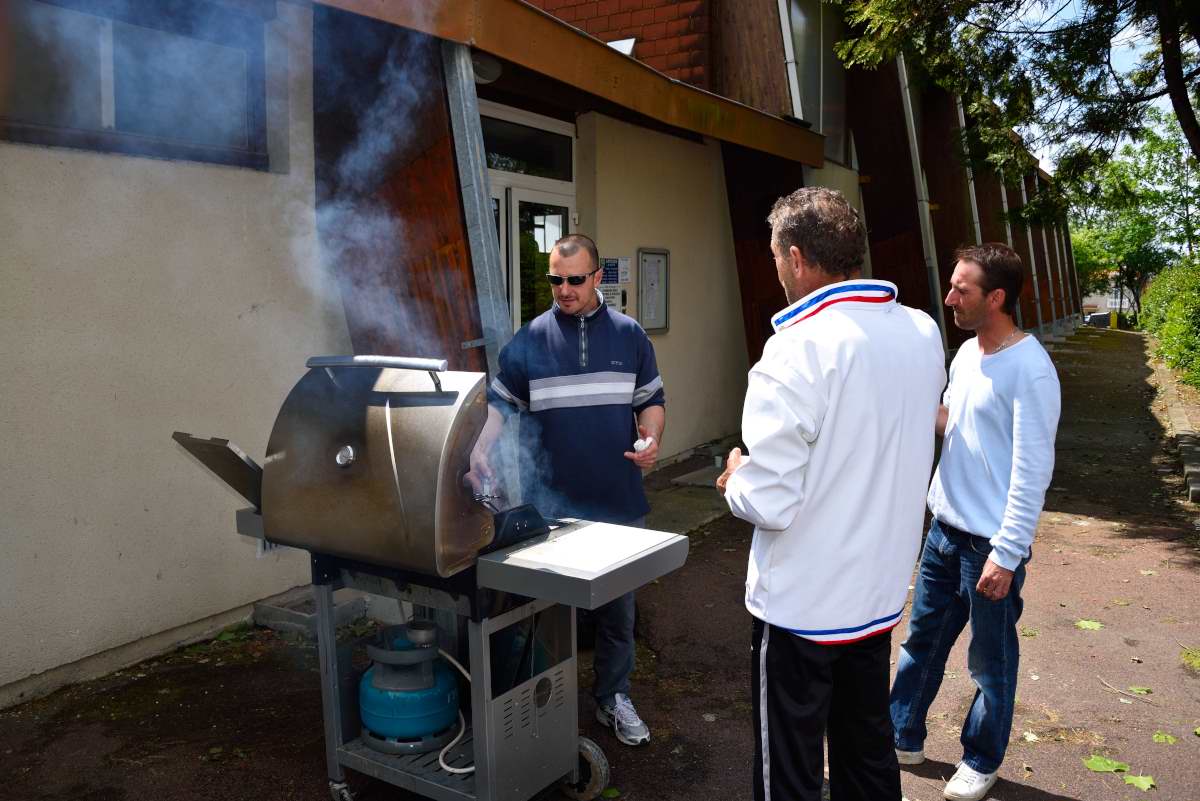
(584, 380)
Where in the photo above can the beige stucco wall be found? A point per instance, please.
(137, 297)
(640, 188)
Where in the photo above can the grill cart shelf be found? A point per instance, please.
(522, 734)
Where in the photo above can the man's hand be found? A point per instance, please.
(732, 463)
(994, 582)
(646, 457)
(480, 479)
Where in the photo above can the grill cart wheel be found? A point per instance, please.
(338, 791)
(593, 773)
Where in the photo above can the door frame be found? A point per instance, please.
(517, 195)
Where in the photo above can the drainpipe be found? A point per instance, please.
(962, 126)
(789, 58)
(1008, 238)
(1037, 292)
(923, 214)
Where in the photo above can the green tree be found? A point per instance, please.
(1043, 68)
(1123, 245)
(1171, 179)
(1137, 212)
(1093, 262)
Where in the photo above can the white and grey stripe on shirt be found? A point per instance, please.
(589, 389)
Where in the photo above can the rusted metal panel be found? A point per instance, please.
(538, 41)
(1031, 305)
(989, 192)
(1045, 297)
(946, 177)
(389, 212)
(753, 182)
(748, 60)
(1071, 272)
(991, 208)
(876, 117)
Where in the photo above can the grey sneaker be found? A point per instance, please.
(910, 757)
(624, 720)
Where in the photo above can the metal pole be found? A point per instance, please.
(789, 60)
(477, 201)
(484, 750)
(923, 214)
(331, 706)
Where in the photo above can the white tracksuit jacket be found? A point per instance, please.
(839, 423)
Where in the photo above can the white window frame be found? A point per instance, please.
(512, 187)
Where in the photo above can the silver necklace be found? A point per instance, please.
(1004, 343)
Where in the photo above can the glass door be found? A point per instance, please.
(536, 221)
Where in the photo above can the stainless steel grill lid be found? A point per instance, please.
(367, 462)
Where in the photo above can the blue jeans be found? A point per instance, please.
(613, 659)
(944, 601)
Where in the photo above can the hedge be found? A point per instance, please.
(1171, 312)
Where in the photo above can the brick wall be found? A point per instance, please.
(672, 35)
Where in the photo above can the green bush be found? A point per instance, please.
(1171, 312)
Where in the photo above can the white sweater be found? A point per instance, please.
(839, 423)
(998, 452)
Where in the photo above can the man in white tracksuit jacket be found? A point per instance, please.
(839, 422)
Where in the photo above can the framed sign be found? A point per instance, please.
(653, 288)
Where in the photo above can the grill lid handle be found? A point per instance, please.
(431, 366)
(392, 362)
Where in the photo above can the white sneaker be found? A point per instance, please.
(968, 784)
(910, 757)
(624, 720)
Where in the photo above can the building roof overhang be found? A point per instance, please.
(518, 32)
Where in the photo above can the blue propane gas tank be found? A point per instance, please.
(409, 714)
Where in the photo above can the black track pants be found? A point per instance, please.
(803, 690)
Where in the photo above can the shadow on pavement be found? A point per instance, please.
(935, 774)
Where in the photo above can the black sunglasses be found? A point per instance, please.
(573, 280)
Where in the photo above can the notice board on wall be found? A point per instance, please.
(614, 281)
(653, 288)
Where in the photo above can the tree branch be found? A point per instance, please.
(1168, 34)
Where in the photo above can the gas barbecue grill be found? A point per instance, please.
(364, 469)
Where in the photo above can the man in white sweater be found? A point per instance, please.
(839, 421)
(999, 418)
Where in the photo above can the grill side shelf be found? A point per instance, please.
(228, 462)
(583, 564)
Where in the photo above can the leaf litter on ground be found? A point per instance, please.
(1102, 764)
(1190, 657)
(1143, 783)
(1163, 737)
(1089, 625)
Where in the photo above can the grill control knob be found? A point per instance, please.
(345, 457)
